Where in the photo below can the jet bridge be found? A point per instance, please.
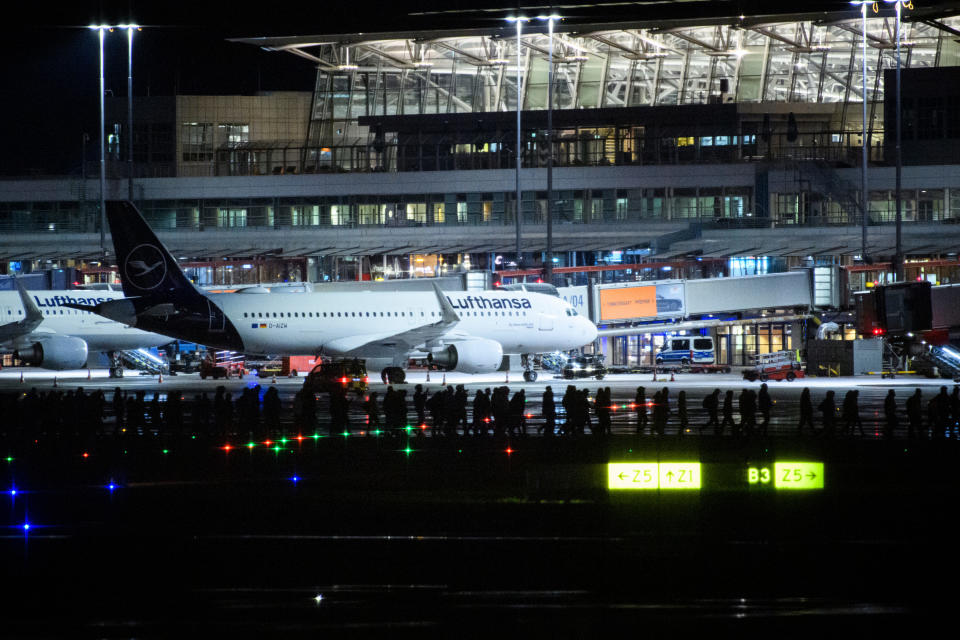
(631, 316)
(673, 305)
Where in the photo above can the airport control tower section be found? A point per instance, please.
(919, 325)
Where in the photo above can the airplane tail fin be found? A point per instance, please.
(146, 267)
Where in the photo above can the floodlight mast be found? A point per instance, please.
(865, 192)
(519, 208)
(100, 29)
(548, 262)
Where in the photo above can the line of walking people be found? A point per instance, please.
(942, 411)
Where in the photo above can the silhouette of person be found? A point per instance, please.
(712, 405)
(915, 415)
(765, 405)
(549, 410)
(851, 413)
(727, 415)
(640, 400)
(420, 405)
(682, 413)
(806, 412)
(890, 415)
(828, 413)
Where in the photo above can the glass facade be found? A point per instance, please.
(776, 62)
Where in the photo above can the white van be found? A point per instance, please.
(685, 350)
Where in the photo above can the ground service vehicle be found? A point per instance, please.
(342, 374)
(779, 365)
(584, 367)
(222, 364)
(686, 350)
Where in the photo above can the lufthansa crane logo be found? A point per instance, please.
(145, 267)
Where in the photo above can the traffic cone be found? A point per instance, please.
(508, 378)
(672, 379)
(273, 380)
(428, 374)
(54, 381)
(88, 374)
(654, 375)
(21, 377)
(443, 383)
(160, 377)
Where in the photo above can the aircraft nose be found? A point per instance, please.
(589, 331)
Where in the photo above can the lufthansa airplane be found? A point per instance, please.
(41, 329)
(461, 331)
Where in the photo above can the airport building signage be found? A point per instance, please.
(637, 301)
(787, 475)
(660, 476)
(653, 475)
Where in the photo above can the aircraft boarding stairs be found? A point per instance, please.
(553, 362)
(946, 359)
(144, 361)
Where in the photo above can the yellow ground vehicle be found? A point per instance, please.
(343, 374)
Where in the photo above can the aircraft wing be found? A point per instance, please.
(31, 320)
(390, 344)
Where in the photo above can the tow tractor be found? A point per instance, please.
(778, 365)
(222, 364)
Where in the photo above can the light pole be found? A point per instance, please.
(103, 152)
(865, 197)
(518, 210)
(548, 266)
(898, 273)
(130, 29)
(100, 29)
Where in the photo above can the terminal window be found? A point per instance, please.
(196, 141)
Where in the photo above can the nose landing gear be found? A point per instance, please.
(529, 375)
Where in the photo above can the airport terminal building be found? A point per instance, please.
(688, 148)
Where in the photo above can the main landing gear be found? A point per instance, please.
(529, 375)
(116, 365)
(393, 375)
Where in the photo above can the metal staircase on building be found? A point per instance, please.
(823, 179)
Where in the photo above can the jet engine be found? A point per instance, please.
(470, 356)
(55, 352)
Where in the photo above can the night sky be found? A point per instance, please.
(51, 67)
